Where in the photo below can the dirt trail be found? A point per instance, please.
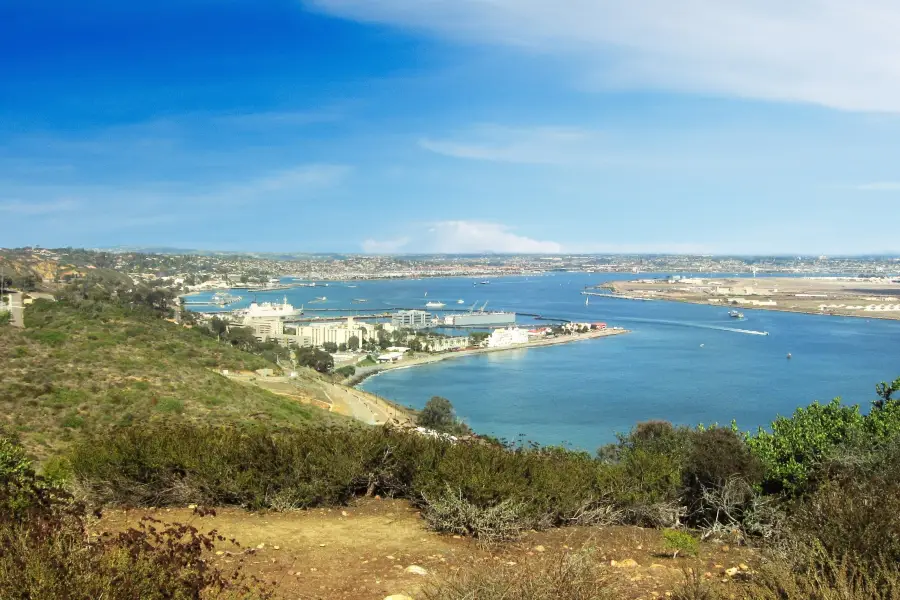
(361, 552)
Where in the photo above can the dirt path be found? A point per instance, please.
(362, 552)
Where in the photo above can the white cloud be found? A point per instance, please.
(880, 186)
(463, 237)
(19, 207)
(539, 145)
(836, 53)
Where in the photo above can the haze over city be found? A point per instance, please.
(396, 126)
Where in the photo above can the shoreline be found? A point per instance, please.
(873, 315)
(428, 359)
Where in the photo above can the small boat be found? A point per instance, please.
(460, 301)
(734, 314)
(319, 299)
(586, 299)
(359, 300)
(484, 282)
(789, 356)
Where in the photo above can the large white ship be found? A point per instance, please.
(271, 310)
(435, 305)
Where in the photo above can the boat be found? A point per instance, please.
(586, 299)
(258, 310)
(789, 355)
(320, 299)
(460, 301)
(734, 314)
(435, 305)
(484, 282)
(359, 300)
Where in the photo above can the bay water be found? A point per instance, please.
(683, 363)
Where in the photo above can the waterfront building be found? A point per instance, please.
(411, 319)
(501, 338)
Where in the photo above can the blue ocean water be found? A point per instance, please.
(684, 363)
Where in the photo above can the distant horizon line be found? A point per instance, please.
(177, 250)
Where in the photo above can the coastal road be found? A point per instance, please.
(16, 309)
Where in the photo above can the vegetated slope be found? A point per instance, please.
(89, 368)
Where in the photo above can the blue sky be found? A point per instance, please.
(709, 126)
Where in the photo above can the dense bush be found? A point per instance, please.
(47, 553)
(291, 468)
(797, 446)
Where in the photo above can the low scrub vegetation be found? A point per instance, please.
(95, 365)
(46, 551)
(574, 575)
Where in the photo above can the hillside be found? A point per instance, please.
(90, 368)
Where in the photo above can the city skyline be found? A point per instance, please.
(391, 126)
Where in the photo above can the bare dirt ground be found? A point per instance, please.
(362, 551)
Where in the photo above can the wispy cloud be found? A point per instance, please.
(293, 180)
(460, 237)
(829, 52)
(30, 209)
(535, 145)
(880, 186)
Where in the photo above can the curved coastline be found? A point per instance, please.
(428, 359)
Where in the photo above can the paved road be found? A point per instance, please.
(16, 309)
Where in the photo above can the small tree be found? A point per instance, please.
(885, 392)
(315, 359)
(438, 414)
(353, 343)
(218, 327)
(330, 347)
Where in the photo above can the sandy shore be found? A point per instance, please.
(362, 373)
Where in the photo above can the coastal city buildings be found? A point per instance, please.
(411, 319)
(501, 338)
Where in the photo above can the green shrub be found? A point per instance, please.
(718, 478)
(680, 542)
(853, 510)
(344, 372)
(797, 444)
(46, 552)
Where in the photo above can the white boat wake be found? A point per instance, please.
(689, 324)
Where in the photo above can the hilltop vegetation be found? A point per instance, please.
(135, 413)
(91, 366)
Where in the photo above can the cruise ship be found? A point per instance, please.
(435, 305)
(271, 310)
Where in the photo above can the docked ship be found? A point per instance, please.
(262, 310)
(481, 317)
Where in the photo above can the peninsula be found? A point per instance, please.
(868, 297)
(424, 359)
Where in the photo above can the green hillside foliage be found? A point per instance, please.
(91, 366)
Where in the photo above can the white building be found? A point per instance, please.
(410, 319)
(500, 338)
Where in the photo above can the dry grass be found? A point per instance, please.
(571, 576)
